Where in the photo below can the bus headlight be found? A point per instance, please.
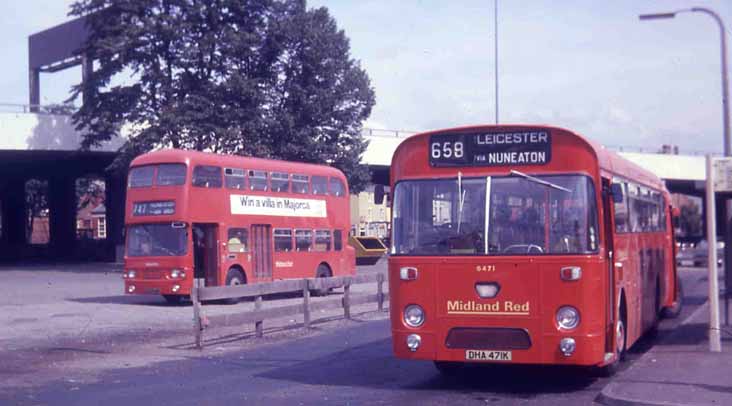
(129, 274)
(567, 318)
(177, 274)
(414, 315)
(567, 346)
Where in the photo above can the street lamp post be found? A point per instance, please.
(723, 53)
(714, 332)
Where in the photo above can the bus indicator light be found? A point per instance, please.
(487, 290)
(567, 346)
(571, 273)
(408, 273)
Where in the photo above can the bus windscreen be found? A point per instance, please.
(156, 240)
(527, 215)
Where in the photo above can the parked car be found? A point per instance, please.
(698, 255)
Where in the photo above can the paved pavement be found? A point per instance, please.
(679, 369)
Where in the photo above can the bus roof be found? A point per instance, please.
(607, 160)
(233, 161)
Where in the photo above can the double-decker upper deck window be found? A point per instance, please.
(300, 183)
(207, 176)
(320, 185)
(303, 240)
(171, 175)
(280, 181)
(336, 187)
(257, 180)
(235, 178)
(282, 239)
(141, 176)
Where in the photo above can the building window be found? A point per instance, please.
(101, 227)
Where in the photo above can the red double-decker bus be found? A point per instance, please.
(231, 220)
(525, 244)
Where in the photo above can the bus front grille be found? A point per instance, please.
(488, 338)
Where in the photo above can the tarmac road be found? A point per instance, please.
(338, 362)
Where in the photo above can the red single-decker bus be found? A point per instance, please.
(526, 245)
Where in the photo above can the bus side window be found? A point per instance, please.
(337, 240)
(300, 183)
(280, 181)
(282, 239)
(303, 240)
(235, 178)
(320, 185)
(207, 176)
(621, 210)
(257, 180)
(322, 240)
(238, 239)
(336, 187)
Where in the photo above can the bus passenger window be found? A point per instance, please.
(336, 187)
(280, 181)
(621, 211)
(258, 180)
(171, 175)
(322, 240)
(141, 176)
(337, 240)
(234, 178)
(207, 176)
(282, 240)
(300, 183)
(320, 185)
(238, 239)
(303, 240)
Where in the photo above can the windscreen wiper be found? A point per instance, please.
(539, 181)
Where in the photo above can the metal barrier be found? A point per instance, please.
(257, 291)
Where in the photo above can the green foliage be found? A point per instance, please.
(265, 78)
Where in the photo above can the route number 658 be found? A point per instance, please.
(447, 150)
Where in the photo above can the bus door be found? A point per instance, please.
(262, 251)
(608, 236)
(205, 252)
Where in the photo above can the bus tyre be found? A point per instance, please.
(621, 336)
(323, 271)
(673, 311)
(173, 299)
(234, 277)
(450, 369)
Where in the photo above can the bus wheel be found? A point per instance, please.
(173, 299)
(234, 277)
(674, 310)
(621, 336)
(450, 369)
(323, 271)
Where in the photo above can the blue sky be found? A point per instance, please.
(591, 66)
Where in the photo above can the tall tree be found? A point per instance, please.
(266, 78)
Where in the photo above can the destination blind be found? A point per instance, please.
(527, 147)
